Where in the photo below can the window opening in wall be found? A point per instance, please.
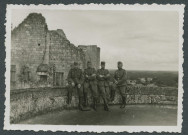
(43, 78)
(38, 44)
(58, 78)
(13, 74)
(26, 74)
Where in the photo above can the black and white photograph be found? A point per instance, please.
(100, 68)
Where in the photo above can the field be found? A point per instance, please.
(160, 78)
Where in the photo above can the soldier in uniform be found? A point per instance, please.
(90, 83)
(69, 89)
(69, 92)
(120, 77)
(75, 81)
(103, 77)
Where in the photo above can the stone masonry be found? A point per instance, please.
(42, 57)
(25, 103)
(92, 54)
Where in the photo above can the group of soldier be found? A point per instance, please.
(98, 82)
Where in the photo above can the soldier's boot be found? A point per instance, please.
(85, 100)
(95, 104)
(106, 108)
(68, 101)
(123, 102)
(81, 108)
(112, 95)
(69, 98)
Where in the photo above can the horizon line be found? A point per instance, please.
(146, 70)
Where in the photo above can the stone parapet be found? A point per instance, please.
(25, 103)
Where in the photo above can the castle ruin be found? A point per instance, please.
(42, 57)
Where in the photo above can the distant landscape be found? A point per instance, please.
(159, 78)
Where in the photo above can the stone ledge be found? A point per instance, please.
(131, 90)
(26, 103)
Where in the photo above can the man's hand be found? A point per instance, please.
(101, 76)
(111, 83)
(87, 76)
(108, 75)
(67, 84)
(73, 84)
(79, 86)
(116, 82)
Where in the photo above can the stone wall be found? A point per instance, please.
(92, 53)
(26, 103)
(28, 47)
(63, 53)
(32, 44)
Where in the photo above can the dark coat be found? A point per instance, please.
(120, 76)
(75, 75)
(91, 73)
(103, 81)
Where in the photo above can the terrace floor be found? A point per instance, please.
(151, 115)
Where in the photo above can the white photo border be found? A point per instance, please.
(79, 128)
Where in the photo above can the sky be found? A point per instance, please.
(142, 40)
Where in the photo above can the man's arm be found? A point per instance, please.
(93, 75)
(114, 78)
(107, 76)
(84, 74)
(123, 78)
(99, 76)
(81, 80)
(69, 78)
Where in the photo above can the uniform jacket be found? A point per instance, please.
(75, 75)
(120, 76)
(103, 81)
(91, 73)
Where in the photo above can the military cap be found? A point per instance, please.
(75, 63)
(88, 62)
(102, 63)
(119, 62)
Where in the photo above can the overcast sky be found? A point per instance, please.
(145, 40)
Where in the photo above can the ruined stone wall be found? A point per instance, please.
(62, 53)
(92, 54)
(26, 103)
(33, 44)
(28, 46)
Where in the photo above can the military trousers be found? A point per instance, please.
(79, 90)
(91, 86)
(112, 92)
(122, 90)
(104, 92)
(69, 93)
